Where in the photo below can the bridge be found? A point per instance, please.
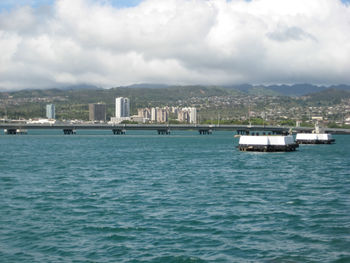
(67, 128)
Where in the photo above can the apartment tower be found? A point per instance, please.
(97, 112)
(50, 111)
(122, 107)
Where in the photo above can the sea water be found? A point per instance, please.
(184, 197)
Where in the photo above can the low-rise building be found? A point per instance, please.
(116, 120)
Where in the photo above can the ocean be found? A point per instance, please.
(184, 197)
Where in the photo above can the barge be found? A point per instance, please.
(314, 138)
(267, 143)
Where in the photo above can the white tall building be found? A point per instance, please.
(50, 111)
(154, 114)
(122, 107)
(188, 115)
(193, 115)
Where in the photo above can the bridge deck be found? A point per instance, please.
(63, 126)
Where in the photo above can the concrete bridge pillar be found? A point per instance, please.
(69, 131)
(119, 131)
(163, 131)
(243, 132)
(205, 131)
(10, 131)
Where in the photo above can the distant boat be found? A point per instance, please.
(267, 143)
(316, 137)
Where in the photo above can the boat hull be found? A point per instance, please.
(315, 141)
(314, 138)
(268, 148)
(279, 143)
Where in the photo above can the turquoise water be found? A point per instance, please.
(141, 197)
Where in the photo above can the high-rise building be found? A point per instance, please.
(193, 115)
(154, 114)
(50, 111)
(122, 107)
(144, 113)
(182, 116)
(162, 115)
(97, 112)
(188, 115)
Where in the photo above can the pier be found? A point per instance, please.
(162, 129)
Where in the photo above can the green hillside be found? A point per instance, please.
(213, 103)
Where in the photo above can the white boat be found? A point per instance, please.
(267, 143)
(316, 137)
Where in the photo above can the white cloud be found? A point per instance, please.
(175, 42)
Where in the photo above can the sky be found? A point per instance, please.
(110, 43)
(10, 4)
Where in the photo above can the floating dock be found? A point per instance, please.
(267, 143)
(314, 138)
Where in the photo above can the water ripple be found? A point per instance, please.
(178, 198)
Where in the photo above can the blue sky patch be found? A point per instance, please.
(10, 4)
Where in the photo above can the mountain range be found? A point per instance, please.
(287, 90)
(295, 90)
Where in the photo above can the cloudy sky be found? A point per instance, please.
(108, 43)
